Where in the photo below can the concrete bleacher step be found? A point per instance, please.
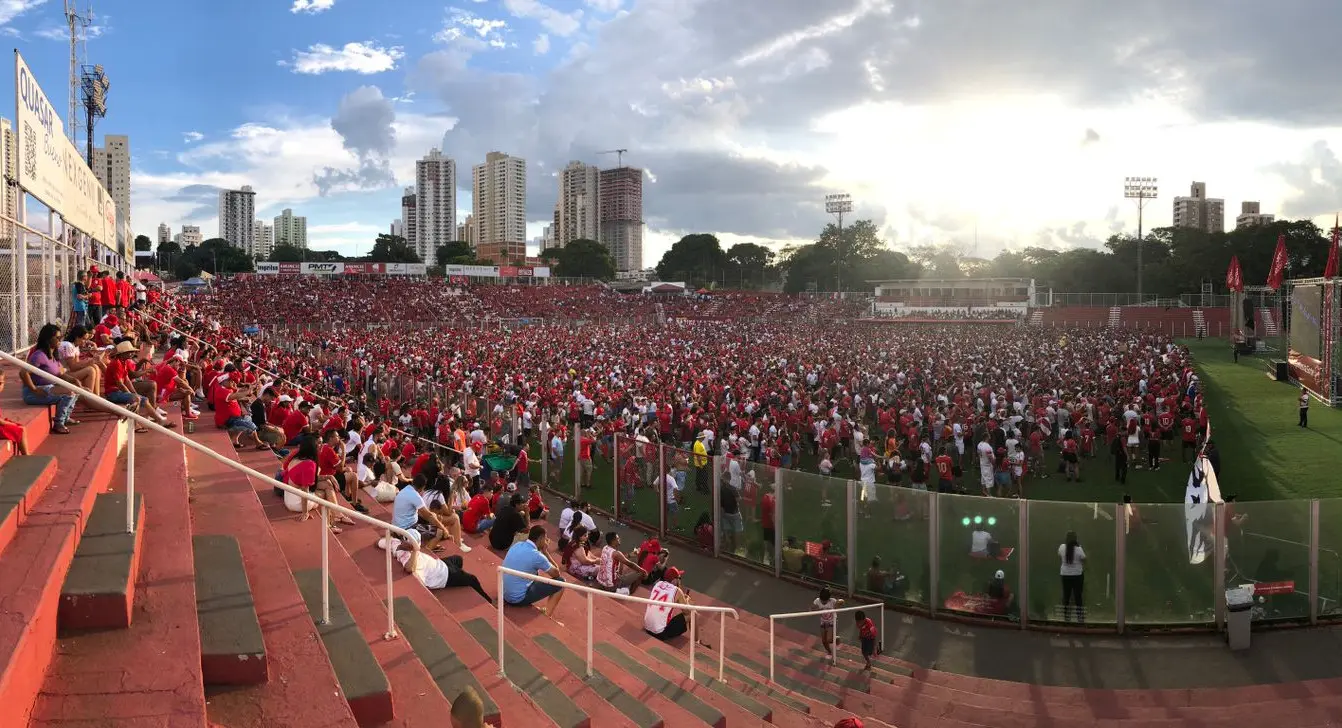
(361, 678)
(22, 480)
(708, 680)
(99, 588)
(708, 662)
(656, 682)
(528, 680)
(786, 677)
(851, 659)
(232, 649)
(445, 668)
(34, 562)
(631, 707)
(149, 672)
(301, 683)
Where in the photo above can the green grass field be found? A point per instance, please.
(1272, 465)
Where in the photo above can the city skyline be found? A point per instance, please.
(744, 114)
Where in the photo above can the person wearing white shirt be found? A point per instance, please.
(985, 451)
(672, 487)
(659, 621)
(1073, 577)
(979, 542)
(470, 462)
(436, 573)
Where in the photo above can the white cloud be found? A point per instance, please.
(604, 6)
(192, 136)
(279, 160)
(344, 227)
(558, 22)
(311, 6)
(11, 9)
(363, 58)
(541, 45)
(62, 33)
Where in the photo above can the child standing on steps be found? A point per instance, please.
(866, 632)
(827, 601)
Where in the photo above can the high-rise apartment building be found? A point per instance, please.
(263, 239)
(548, 237)
(291, 229)
(435, 204)
(190, 235)
(579, 208)
(466, 230)
(397, 228)
(409, 223)
(1198, 211)
(164, 233)
(500, 204)
(1250, 214)
(111, 165)
(237, 212)
(622, 216)
(11, 194)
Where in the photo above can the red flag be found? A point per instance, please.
(1234, 277)
(1277, 272)
(1330, 270)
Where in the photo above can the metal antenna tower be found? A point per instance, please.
(78, 25)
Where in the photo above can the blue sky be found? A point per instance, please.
(942, 119)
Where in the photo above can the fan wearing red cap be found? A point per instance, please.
(659, 621)
(849, 723)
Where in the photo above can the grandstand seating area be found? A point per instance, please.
(1176, 321)
(205, 617)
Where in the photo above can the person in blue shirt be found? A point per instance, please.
(409, 511)
(529, 557)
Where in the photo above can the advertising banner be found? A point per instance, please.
(324, 269)
(541, 271)
(507, 271)
(416, 269)
(352, 269)
(291, 269)
(49, 166)
(1308, 371)
(525, 271)
(268, 268)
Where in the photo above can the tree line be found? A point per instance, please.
(1174, 260)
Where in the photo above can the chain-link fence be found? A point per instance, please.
(37, 272)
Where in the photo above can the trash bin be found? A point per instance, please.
(1239, 616)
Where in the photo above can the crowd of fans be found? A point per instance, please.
(906, 406)
(960, 313)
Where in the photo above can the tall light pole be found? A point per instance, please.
(1140, 189)
(838, 204)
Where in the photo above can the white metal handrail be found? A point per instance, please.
(325, 505)
(592, 593)
(279, 377)
(834, 633)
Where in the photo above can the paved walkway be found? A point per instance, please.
(1040, 657)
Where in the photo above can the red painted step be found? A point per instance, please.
(33, 565)
(413, 699)
(150, 673)
(302, 690)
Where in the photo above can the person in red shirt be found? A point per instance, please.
(945, 472)
(585, 442)
(768, 507)
(172, 386)
(478, 518)
(536, 507)
(228, 414)
(295, 425)
(1188, 430)
(1071, 458)
(332, 476)
(866, 632)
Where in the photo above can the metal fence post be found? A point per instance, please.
(1219, 564)
(502, 673)
(1023, 566)
(717, 508)
(1120, 563)
(850, 505)
(779, 531)
(933, 552)
(1314, 561)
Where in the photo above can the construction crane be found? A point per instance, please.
(619, 155)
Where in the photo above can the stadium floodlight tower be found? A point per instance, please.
(1140, 189)
(838, 204)
(93, 87)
